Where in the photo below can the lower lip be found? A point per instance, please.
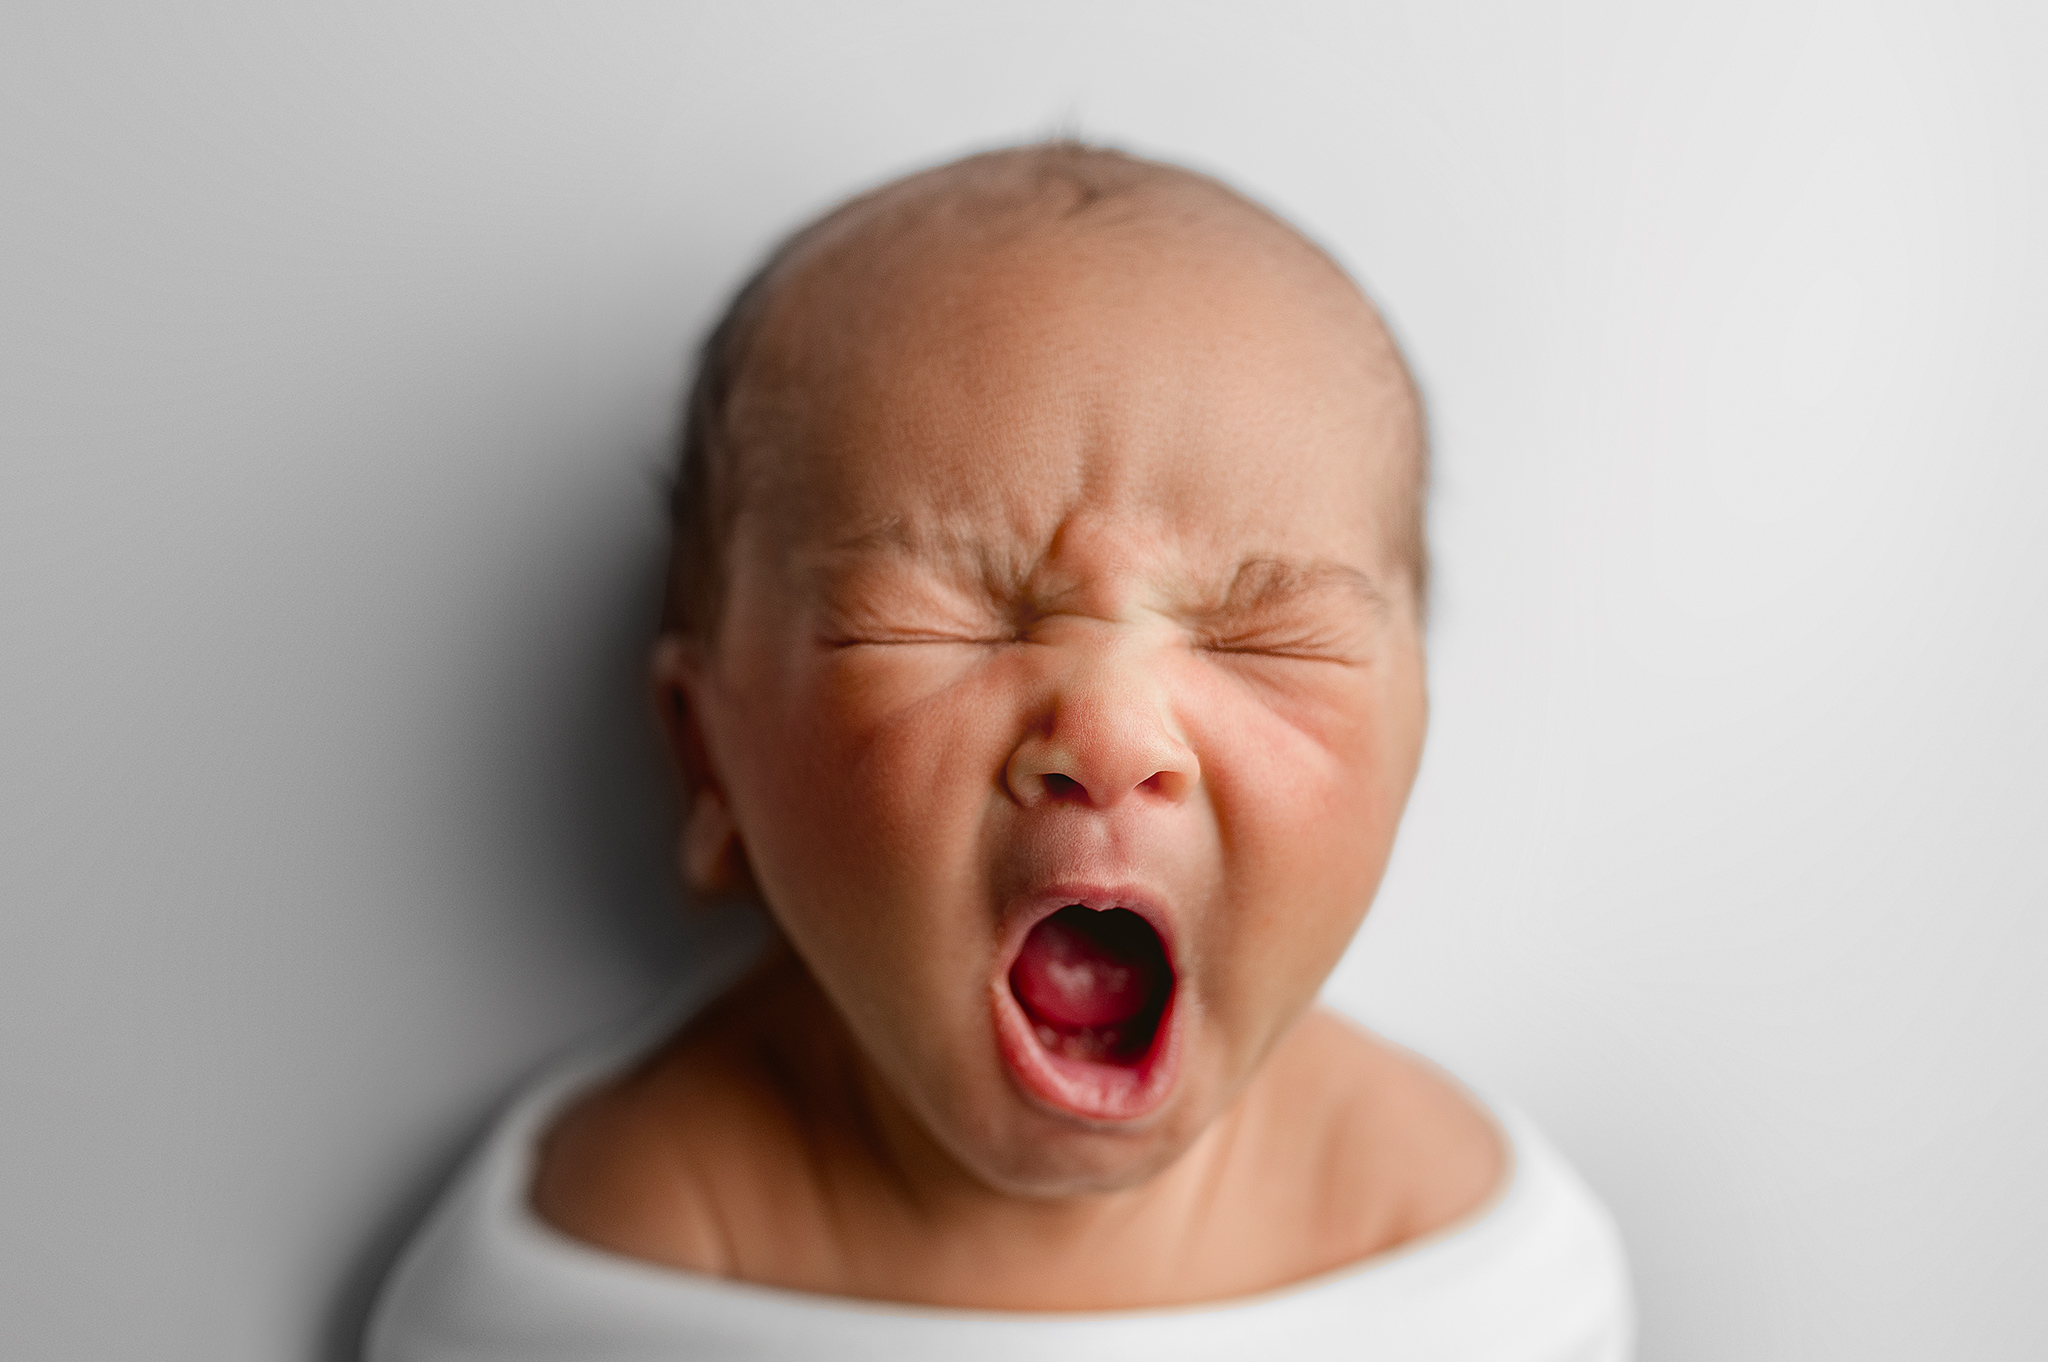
(1107, 1094)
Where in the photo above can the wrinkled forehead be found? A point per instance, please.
(1204, 387)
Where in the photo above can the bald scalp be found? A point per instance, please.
(806, 310)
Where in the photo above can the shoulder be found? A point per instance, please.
(1389, 1147)
(609, 1174)
(648, 1164)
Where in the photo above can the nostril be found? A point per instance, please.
(1171, 784)
(1059, 787)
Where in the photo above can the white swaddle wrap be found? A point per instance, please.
(1534, 1275)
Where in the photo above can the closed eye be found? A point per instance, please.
(898, 638)
(1294, 648)
(1286, 612)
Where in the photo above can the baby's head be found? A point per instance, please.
(1044, 643)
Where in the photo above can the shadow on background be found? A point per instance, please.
(348, 1313)
(593, 816)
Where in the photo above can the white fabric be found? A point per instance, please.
(1535, 1275)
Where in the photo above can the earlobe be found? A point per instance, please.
(709, 850)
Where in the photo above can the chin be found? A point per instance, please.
(1044, 1158)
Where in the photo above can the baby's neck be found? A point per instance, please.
(760, 1145)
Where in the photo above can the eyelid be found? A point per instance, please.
(1297, 647)
(1285, 654)
(906, 638)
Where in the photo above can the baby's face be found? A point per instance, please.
(1067, 693)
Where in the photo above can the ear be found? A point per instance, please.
(708, 849)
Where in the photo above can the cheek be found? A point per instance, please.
(1308, 784)
(875, 769)
(914, 738)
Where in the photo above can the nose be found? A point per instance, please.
(1105, 735)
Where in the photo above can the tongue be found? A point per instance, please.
(1071, 978)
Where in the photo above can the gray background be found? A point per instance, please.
(341, 343)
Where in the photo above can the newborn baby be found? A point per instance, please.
(1044, 651)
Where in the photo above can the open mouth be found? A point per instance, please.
(1087, 1015)
(1093, 984)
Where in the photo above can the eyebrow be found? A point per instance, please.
(1265, 583)
(964, 558)
(892, 533)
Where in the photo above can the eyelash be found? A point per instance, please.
(1286, 652)
(1225, 647)
(907, 639)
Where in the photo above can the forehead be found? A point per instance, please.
(1214, 395)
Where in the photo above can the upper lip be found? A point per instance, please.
(1028, 910)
